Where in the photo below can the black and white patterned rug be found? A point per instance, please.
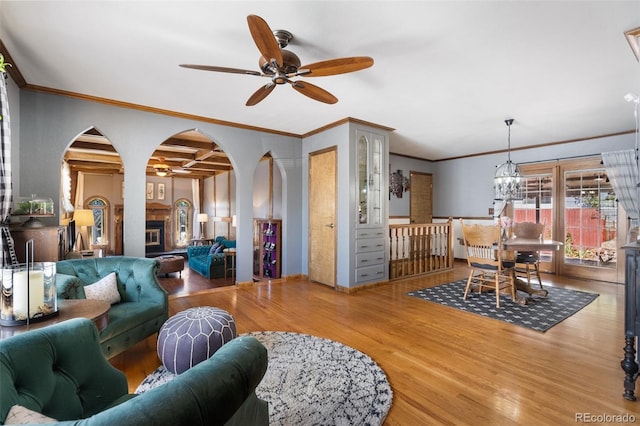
(311, 380)
(540, 313)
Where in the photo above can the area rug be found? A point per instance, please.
(311, 380)
(540, 313)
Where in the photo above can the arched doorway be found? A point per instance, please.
(189, 172)
(92, 165)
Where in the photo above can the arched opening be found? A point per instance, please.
(92, 165)
(267, 213)
(185, 176)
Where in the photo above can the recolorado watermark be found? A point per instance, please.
(604, 418)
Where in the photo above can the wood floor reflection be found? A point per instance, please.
(445, 366)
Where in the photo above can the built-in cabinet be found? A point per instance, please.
(371, 228)
(267, 250)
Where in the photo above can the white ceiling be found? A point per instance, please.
(446, 74)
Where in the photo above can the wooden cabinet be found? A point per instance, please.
(49, 243)
(267, 250)
(631, 318)
(371, 254)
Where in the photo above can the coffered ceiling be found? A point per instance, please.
(446, 74)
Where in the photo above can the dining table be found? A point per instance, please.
(530, 244)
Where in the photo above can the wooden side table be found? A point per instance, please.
(96, 310)
(230, 255)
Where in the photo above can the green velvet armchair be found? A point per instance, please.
(60, 372)
(144, 305)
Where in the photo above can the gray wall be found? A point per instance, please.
(46, 124)
(49, 123)
(464, 187)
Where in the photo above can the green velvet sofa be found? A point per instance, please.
(204, 262)
(144, 305)
(59, 371)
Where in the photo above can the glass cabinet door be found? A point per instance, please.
(370, 179)
(363, 179)
(375, 181)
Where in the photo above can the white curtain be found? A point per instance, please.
(195, 194)
(66, 188)
(622, 170)
(79, 201)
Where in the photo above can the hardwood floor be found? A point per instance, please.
(445, 366)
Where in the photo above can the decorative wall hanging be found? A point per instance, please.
(398, 184)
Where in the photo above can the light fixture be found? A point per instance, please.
(82, 219)
(161, 168)
(633, 37)
(507, 181)
(632, 97)
(202, 218)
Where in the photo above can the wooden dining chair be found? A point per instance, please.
(490, 269)
(528, 261)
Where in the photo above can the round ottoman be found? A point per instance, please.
(192, 336)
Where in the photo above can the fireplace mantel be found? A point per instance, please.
(157, 212)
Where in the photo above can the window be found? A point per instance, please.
(99, 231)
(182, 208)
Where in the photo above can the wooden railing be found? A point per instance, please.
(420, 248)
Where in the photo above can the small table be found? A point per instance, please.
(96, 310)
(230, 253)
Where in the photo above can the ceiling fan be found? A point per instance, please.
(281, 65)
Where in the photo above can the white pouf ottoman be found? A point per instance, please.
(192, 336)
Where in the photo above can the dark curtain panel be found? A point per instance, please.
(6, 189)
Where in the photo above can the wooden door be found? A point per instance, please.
(421, 198)
(322, 216)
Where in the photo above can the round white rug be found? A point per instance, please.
(311, 380)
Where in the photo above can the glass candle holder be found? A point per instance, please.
(28, 293)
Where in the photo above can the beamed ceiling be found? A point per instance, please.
(188, 154)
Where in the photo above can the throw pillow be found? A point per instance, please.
(106, 289)
(19, 415)
(213, 248)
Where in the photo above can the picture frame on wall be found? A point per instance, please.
(150, 190)
(161, 191)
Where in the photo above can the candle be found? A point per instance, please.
(35, 293)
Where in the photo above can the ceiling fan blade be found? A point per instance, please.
(314, 92)
(220, 69)
(264, 39)
(337, 66)
(260, 94)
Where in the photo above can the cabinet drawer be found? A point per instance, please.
(364, 245)
(370, 233)
(370, 273)
(369, 259)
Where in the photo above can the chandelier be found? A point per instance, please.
(507, 181)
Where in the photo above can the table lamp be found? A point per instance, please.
(202, 218)
(83, 218)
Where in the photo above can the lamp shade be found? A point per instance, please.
(84, 217)
(203, 217)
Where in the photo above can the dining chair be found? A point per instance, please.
(526, 261)
(490, 269)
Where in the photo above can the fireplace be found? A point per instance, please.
(154, 236)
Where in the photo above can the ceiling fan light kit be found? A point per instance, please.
(162, 169)
(282, 65)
